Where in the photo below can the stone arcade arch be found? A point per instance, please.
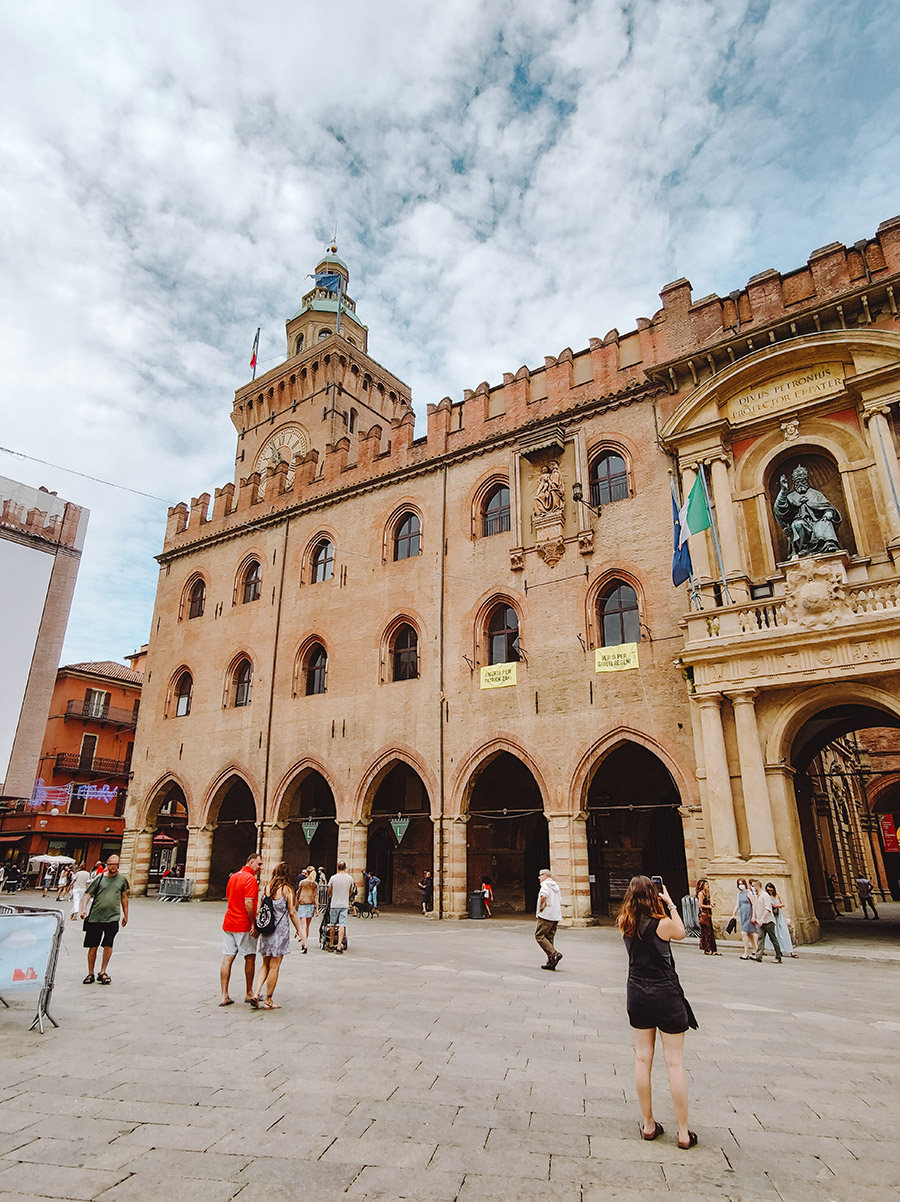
(234, 836)
(400, 862)
(161, 838)
(507, 834)
(633, 825)
(309, 799)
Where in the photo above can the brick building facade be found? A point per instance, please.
(465, 651)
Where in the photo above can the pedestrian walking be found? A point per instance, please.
(239, 926)
(426, 889)
(372, 883)
(64, 883)
(782, 929)
(764, 917)
(831, 884)
(865, 890)
(274, 945)
(743, 912)
(307, 898)
(655, 1001)
(108, 896)
(487, 892)
(340, 893)
(704, 913)
(549, 915)
(80, 881)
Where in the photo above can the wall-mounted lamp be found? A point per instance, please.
(578, 495)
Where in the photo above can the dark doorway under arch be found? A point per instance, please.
(842, 758)
(400, 861)
(633, 827)
(507, 835)
(168, 852)
(312, 801)
(234, 838)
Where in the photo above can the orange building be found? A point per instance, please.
(77, 805)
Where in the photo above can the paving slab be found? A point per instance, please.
(436, 1062)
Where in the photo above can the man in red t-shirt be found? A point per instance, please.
(242, 892)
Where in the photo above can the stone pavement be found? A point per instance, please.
(435, 1061)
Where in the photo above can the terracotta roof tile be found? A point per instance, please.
(107, 667)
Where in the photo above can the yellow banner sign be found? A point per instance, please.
(616, 659)
(498, 676)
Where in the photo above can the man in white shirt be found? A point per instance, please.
(549, 914)
(340, 892)
(764, 917)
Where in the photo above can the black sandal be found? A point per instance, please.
(691, 1143)
(89, 979)
(104, 979)
(657, 1131)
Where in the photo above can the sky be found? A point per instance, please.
(506, 180)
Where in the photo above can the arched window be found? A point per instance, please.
(299, 345)
(252, 582)
(197, 599)
(620, 618)
(352, 418)
(407, 537)
(243, 678)
(323, 334)
(503, 635)
(495, 514)
(405, 653)
(316, 667)
(323, 561)
(609, 479)
(184, 686)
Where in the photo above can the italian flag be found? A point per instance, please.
(255, 349)
(693, 516)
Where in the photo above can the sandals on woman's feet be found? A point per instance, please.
(104, 979)
(254, 1002)
(691, 1143)
(657, 1131)
(89, 979)
(270, 1005)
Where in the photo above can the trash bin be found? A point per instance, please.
(476, 904)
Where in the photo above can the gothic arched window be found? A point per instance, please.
(405, 653)
(619, 614)
(609, 479)
(184, 687)
(495, 512)
(316, 668)
(503, 635)
(197, 599)
(243, 678)
(323, 561)
(252, 582)
(407, 537)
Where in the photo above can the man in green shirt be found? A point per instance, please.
(105, 895)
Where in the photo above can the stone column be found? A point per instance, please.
(757, 806)
(797, 894)
(272, 848)
(455, 867)
(719, 798)
(137, 848)
(728, 532)
(353, 838)
(568, 863)
(887, 469)
(199, 854)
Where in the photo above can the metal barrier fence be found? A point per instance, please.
(175, 889)
(29, 949)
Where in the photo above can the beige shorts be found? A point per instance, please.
(238, 943)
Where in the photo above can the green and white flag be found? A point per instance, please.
(693, 516)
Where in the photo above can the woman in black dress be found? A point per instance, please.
(648, 920)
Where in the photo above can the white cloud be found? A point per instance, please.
(507, 180)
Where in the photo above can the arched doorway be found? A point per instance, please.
(507, 835)
(168, 851)
(633, 827)
(234, 837)
(846, 761)
(400, 846)
(311, 834)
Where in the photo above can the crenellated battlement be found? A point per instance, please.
(685, 342)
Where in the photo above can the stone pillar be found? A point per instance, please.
(353, 839)
(568, 863)
(887, 469)
(797, 894)
(719, 798)
(728, 532)
(137, 848)
(757, 806)
(199, 854)
(455, 867)
(272, 848)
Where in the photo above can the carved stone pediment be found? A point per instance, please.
(815, 593)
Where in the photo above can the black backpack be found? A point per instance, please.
(265, 919)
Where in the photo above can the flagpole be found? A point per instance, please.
(255, 353)
(712, 521)
(337, 328)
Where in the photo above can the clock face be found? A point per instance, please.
(281, 448)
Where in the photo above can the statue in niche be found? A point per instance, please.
(807, 517)
(550, 497)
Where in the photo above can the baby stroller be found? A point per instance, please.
(325, 931)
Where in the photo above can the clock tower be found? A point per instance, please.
(328, 388)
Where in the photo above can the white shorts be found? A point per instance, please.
(238, 943)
